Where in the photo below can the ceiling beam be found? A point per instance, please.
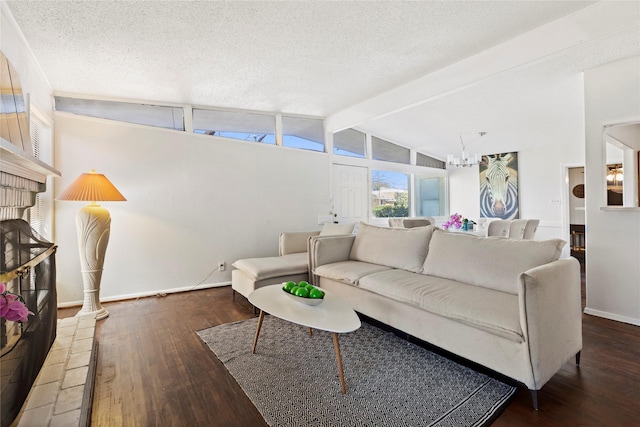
(546, 42)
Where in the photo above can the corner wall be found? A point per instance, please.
(612, 95)
(18, 52)
(192, 201)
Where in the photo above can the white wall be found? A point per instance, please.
(192, 201)
(612, 95)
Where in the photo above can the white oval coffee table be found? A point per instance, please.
(332, 315)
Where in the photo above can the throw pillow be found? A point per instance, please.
(404, 248)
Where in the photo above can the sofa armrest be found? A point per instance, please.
(328, 249)
(294, 242)
(551, 316)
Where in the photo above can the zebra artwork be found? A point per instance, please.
(499, 186)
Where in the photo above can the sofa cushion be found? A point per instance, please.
(403, 248)
(268, 267)
(491, 262)
(487, 309)
(331, 229)
(348, 272)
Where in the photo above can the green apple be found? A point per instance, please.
(302, 292)
(289, 285)
(316, 293)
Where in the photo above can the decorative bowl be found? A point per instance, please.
(307, 301)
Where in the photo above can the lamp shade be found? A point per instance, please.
(92, 187)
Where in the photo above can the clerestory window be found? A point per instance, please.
(389, 152)
(349, 142)
(302, 132)
(143, 114)
(241, 125)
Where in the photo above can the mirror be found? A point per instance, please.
(622, 145)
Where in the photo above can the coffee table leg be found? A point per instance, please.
(255, 340)
(336, 345)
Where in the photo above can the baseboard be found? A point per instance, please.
(612, 316)
(161, 292)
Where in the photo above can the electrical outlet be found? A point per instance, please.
(221, 266)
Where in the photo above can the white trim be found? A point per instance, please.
(160, 293)
(187, 118)
(278, 130)
(612, 316)
(620, 208)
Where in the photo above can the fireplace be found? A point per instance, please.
(28, 268)
(27, 261)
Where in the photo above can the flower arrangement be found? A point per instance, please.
(455, 221)
(12, 306)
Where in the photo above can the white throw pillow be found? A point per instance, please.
(331, 229)
(404, 248)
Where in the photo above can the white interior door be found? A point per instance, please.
(350, 193)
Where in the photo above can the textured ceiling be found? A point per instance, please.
(304, 57)
(297, 57)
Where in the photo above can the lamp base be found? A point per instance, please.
(93, 224)
(99, 314)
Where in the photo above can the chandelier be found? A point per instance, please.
(615, 174)
(465, 160)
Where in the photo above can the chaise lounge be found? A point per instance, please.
(292, 262)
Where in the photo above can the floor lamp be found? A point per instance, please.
(93, 223)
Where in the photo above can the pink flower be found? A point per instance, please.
(11, 306)
(455, 221)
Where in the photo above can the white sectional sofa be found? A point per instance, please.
(510, 305)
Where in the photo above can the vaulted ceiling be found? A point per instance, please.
(346, 60)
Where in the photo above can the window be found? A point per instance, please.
(390, 194)
(349, 142)
(142, 114)
(430, 196)
(40, 214)
(252, 127)
(305, 133)
(388, 151)
(429, 162)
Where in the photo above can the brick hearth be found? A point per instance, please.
(63, 391)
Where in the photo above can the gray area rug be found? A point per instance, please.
(293, 378)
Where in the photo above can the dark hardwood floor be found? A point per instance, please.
(153, 370)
